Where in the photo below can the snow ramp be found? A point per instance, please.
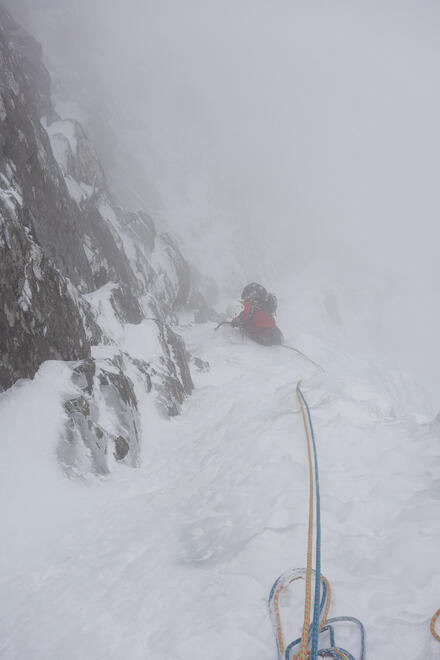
(174, 560)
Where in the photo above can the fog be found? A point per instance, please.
(280, 140)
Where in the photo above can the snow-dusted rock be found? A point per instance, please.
(27, 53)
(27, 164)
(83, 279)
(39, 317)
(177, 382)
(124, 246)
(103, 420)
(75, 154)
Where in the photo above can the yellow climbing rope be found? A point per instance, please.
(304, 653)
(324, 615)
(278, 615)
(322, 594)
(308, 595)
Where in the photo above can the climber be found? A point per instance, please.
(256, 320)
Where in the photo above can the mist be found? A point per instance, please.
(294, 142)
(160, 438)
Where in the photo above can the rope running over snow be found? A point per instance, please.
(309, 640)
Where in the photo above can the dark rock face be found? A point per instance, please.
(107, 261)
(54, 245)
(39, 319)
(121, 448)
(125, 305)
(39, 225)
(121, 246)
(27, 166)
(27, 52)
(76, 268)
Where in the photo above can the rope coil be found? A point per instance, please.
(432, 626)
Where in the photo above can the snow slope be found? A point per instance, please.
(175, 560)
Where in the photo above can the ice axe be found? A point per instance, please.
(223, 323)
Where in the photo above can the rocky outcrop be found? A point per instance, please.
(40, 250)
(126, 307)
(28, 167)
(103, 423)
(78, 271)
(39, 319)
(75, 153)
(27, 53)
(176, 376)
(122, 246)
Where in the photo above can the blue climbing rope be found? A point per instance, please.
(320, 623)
(315, 623)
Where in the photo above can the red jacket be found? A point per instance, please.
(254, 319)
